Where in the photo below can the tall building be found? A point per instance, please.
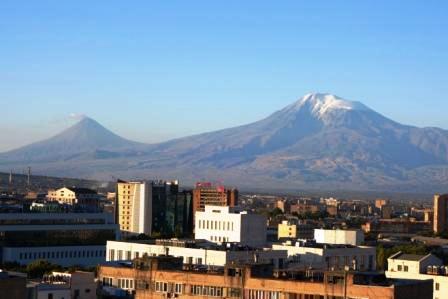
(226, 224)
(440, 223)
(153, 207)
(206, 193)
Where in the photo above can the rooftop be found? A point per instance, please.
(408, 257)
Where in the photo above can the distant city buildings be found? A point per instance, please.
(225, 224)
(440, 213)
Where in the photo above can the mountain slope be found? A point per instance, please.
(320, 141)
(86, 139)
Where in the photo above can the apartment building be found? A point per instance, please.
(421, 267)
(165, 277)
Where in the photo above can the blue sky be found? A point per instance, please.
(154, 70)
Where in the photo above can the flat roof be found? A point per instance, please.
(409, 257)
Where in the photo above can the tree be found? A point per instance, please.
(38, 268)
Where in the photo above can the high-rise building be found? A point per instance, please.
(153, 207)
(206, 193)
(440, 213)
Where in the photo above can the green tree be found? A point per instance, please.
(38, 268)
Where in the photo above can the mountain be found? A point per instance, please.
(86, 139)
(321, 141)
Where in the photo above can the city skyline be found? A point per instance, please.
(127, 67)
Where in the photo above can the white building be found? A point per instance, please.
(195, 253)
(61, 238)
(420, 267)
(329, 256)
(61, 285)
(339, 236)
(71, 196)
(225, 224)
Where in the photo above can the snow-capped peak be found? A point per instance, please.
(322, 103)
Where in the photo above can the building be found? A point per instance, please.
(339, 236)
(62, 285)
(421, 267)
(440, 223)
(62, 238)
(396, 226)
(380, 202)
(206, 193)
(329, 257)
(307, 206)
(194, 252)
(283, 205)
(12, 285)
(83, 197)
(153, 207)
(164, 277)
(290, 229)
(386, 212)
(225, 224)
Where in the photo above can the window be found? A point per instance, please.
(161, 287)
(437, 286)
(399, 268)
(406, 268)
(178, 288)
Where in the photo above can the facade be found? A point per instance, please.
(329, 257)
(75, 196)
(290, 229)
(380, 202)
(206, 193)
(224, 224)
(396, 226)
(149, 207)
(339, 236)
(163, 277)
(12, 286)
(286, 229)
(61, 285)
(194, 252)
(440, 223)
(62, 238)
(421, 267)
